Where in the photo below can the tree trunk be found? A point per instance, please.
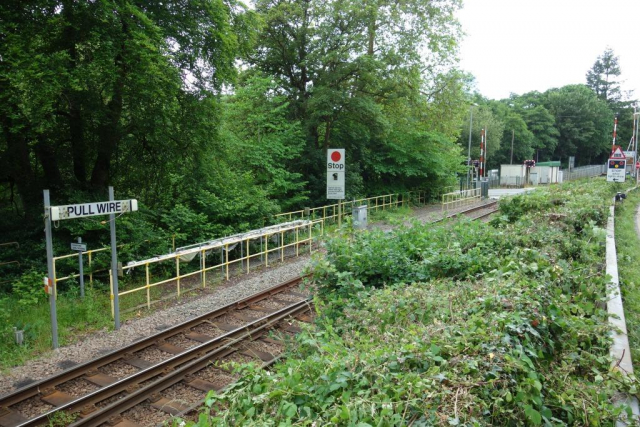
(109, 131)
(73, 99)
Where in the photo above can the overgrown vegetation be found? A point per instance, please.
(461, 323)
(628, 247)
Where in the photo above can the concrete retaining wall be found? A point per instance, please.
(619, 351)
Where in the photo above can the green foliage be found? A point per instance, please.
(29, 288)
(507, 326)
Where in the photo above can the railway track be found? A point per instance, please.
(158, 371)
(476, 212)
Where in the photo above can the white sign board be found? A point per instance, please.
(616, 170)
(335, 173)
(92, 209)
(630, 154)
(79, 247)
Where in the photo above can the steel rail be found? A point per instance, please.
(467, 211)
(152, 390)
(78, 371)
(205, 351)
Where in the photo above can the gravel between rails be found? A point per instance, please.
(105, 341)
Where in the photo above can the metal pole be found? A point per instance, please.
(469, 152)
(486, 152)
(339, 213)
(49, 244)
(81, 268)
(114, 264)
(513, 136)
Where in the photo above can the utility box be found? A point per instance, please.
(484, 189)
(360, 217)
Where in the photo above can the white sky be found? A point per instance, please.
(524, 45)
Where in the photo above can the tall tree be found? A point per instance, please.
(342, 64)
(584, 122)
(603, 77)
(87, 86)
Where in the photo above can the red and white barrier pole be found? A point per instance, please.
(481, 153)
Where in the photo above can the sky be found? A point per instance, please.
(517, 46)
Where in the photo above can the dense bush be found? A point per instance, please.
(458, 323)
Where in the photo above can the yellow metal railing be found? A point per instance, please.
(318, 215)
(459, 198)
(73, 276)
(297, 235)
(375, 203)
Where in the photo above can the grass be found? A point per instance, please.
(628, 248)
(75, 317)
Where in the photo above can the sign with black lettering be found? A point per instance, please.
(335, 173)
(616, 170)
(92, 209)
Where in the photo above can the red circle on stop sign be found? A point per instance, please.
(335, 156)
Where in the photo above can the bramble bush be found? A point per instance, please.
(459, 323)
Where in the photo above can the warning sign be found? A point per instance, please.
(616, 170)
(335, 173)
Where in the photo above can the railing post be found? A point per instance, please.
(203, 265)
(90, 270)
(226, 259)
(248, 258)
(266, 251)
(178, 273)
(282, 246)
(297, 242)
(111, 296)
(146, 267)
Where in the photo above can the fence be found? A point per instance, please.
(512, 181)
(584, 172)
(287, 236)
(375, 203)
(460, 198)
(317, 218)
(90, 256)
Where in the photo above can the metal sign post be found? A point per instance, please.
(80, 248)
(58, 213)
(114, 263)
(50, 285)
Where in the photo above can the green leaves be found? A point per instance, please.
(501, 332)
(533, 416)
